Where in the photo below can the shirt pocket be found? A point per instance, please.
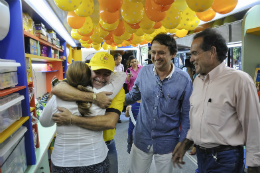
(170, 105)
(213, 113)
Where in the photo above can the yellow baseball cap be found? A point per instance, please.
(102, 60)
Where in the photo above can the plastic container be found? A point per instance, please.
(8, 73)
(10, 111)
(13, 155)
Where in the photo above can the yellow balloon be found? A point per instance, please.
(75, 35)
(113, 47)
(87, 26)
(125, 36)
(172, 31)
(68, 5)
(136, 1)
(148, 37)
(146, 23)
(132, 12)
(95, 15)
(181, 33)
(139, 32)
(86, 45)
(162, 29)
(117, 39)
(189, 19)
(108, 27)
(95, 38)
(199, 5)
(180, 4)
(149, 31)
(85, 9)
(127, 43)
(137, 39)
(172, 18)
(83, 42)
(97, 47)
(105, 46)
(101, 32)
(119, 45)
(129, 29)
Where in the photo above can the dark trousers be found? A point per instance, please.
(230, 161)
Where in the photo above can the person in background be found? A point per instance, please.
(118, 66)
(132, 72)
(258, 89)
(224, 114)
(164, 92)
(135, 110)
(102, 66)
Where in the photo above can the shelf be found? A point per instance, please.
(32, 109)
(10, 90)
(46, 135)
(47, 71)
(11, 129)
(254, 31)
(30, 83)
(41, 58)
(27, 34)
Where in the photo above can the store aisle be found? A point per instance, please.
(123, 156)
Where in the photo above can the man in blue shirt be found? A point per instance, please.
(164, 92)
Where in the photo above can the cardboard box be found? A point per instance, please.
(30, 46)
(41, 36)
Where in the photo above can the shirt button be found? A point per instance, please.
(157, 96)
(154, 119)
(154, 107)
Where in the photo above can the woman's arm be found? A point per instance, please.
(48, 111)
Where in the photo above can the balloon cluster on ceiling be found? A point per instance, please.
(132, 22)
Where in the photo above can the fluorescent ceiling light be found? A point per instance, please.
(234, 44)
(242, 5)
(46, 12)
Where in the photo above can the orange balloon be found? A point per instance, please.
(153, 14)
(200, 27)
(131, 38)
(74, 20)
(163, 2)
(206, 15)
(107, 16)
(134, 26)
(90, 41)
(87, 35)
(109, 36)
(160, 8)
(123, 45)
(111, 6)
(85, 38)
(109, 42)
(224, 6)
(120, 29)
(157, 25)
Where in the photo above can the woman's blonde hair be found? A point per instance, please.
(79, 76)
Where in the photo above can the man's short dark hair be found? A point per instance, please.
(116, 56)
(212, 38)
(166, 40)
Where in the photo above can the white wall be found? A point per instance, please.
(40, 85)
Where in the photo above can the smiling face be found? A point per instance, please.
(100, 78)
(133, 63)
(204, 61)
(160, 56)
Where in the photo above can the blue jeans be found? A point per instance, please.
(230, 161)
(112, 156)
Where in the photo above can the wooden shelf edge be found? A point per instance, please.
(11, 129)
(254, 31)
(30, 83)
(27, 34)
(41, 58)
(46, 43)
(10, 90)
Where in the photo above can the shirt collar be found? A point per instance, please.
(214, 73)
(169, 76)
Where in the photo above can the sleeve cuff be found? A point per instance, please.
(253, 159)
(113, 110)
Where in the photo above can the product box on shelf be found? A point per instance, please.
(63, 57)
(41, 36)
(8, 73)
(49, 38)
(12, 153)
(57, 42)
(10, 110)
(40, 29)
(30, 46)
(52, 34)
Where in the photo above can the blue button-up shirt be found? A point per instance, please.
(164, 106)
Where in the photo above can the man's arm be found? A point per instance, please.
(95, 123)
(69, 93)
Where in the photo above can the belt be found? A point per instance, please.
(108, 142)
(218, 148)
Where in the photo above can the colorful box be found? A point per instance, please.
(30, 46)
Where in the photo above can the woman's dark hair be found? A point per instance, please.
(212, 38)
(116, 56)
(166, 40)
(78, 75)
(130, 58)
